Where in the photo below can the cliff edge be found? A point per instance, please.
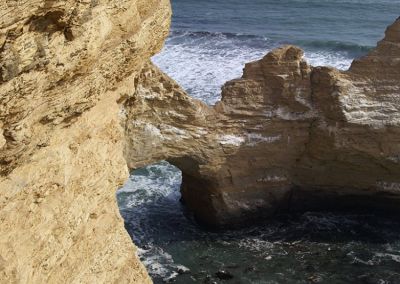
(80, 103)
(64, 67)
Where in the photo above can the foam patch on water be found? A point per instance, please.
(393, 257)
(168, 240)
(146, 198)
(331, 59)
(256, 245)
(156, 262)
(160, 263)
(152, 182)
(202, 62)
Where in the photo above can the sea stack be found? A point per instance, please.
(286, 136)
(81, 104)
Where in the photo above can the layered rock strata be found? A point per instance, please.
(80, 102)
(64, 67)
(285, 136)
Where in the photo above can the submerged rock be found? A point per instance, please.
(182, 269)
(224, 275)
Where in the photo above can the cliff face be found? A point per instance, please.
(64, 67)
(315, 137)
(285, 136)
(354, 148)
(80, 100)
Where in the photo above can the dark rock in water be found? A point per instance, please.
(209, 280)
(309, 267)
(371, 279)
(224, 275)
(250, 269)
(205, 257)
(314, 279)
(146, 247)
(169, 280)
(182, 270)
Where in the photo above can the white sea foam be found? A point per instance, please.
(256, 245)
(158, 180)
(157, 261)
(391, 256)
(202, 64)
(326, 58)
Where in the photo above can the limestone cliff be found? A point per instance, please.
(80, 100)
(64, 67)
(285, 136)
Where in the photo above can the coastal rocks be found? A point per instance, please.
(322, 138)
(224, 275)
(315, 138)
(236, 158)
(64, 67)
(352, 152)
(80, 102)
(285, 136)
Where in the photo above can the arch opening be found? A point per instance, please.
(174, 248)
(150, 204)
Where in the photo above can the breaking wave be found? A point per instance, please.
(201, 62)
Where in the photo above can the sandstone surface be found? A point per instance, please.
(285, 136)
(80, 103)
(64, 67)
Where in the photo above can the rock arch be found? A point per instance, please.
(286, 135)
(75, 107)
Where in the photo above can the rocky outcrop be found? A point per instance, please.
(286, 136)
(80, 100)
(64, 67)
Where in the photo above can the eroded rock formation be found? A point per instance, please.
(285, 136)
(80, 100)
(64, 66)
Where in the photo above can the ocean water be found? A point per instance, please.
(313, 247)
(211, 40)
(209, 44)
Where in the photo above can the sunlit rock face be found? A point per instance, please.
(64, 67)
(355, 143)
(80, 103)
(286, 136)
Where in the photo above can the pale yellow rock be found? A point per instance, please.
(80, 100)
(64, 66)
(2, 139)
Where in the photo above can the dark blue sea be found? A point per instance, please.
(209, 44)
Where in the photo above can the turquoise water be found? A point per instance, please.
(209, 44)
